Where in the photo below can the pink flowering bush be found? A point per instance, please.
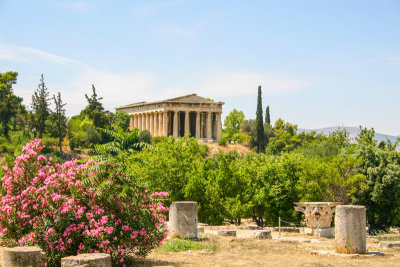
(69, 208)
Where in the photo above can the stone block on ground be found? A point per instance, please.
(183, 219)
(321, 232)
(389, 244)
(288, 229)
(250, 227)
(200, 230)
(87, 260)
(23, 256)
(263, 234)
(226, 232)
(350, 229)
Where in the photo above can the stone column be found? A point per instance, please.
(175, 131)
(143, 121)
(186, 123)
(155, 124)
(165, 123)
(160, 124)
(209, 128)
(132, 122)
(218, 126)
(198, 125)
(350, 229)
(151, 128)
(147, 121)
(139, 121)
(183, 218)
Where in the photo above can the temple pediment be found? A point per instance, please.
(192, 98)
(186, 99)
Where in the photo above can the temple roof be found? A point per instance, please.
(192, 98)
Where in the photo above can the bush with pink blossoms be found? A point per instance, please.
(72, 208)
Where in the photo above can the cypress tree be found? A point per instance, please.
(260, 122)
(267, 116)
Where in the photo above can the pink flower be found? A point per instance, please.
(109, 230)
(104, 220)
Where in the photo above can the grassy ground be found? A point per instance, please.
(178, 245)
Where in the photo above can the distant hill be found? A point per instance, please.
(354, 131)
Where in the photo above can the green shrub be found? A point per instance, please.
(145, 136)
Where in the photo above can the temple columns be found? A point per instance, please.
(147, 121)
(160, 124)
(151, 128)
(209, 127)
(218, 126)
(198, 114)
(143, 119)
(139, 122)
(132, 122)
(165, 123)
(187, 123)
(175, 130)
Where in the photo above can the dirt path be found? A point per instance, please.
(270, 252)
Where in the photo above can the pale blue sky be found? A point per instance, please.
(320, 63)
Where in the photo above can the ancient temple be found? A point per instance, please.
(186, 115)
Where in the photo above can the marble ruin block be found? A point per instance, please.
(350, 229)
(23, 257)
(87, 260)
(183, 219)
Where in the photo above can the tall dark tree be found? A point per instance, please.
(60, 119)
(259, 122)
(40, 107)
(95, 110)
(267, 116)
(9, 103)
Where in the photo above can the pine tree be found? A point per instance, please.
(95, 110)
(9, 103)
(60, 119)
(259, 122)
(40, 107)
(267, 116)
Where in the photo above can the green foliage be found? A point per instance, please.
(286, 139)
(145, 136)
(340, 138)
(248, 132)
(233, 121)
(366, 136)
(10, 104)
(121, 119)
(82, 132)
(171, 165)
(382, 198)
(40, 107)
